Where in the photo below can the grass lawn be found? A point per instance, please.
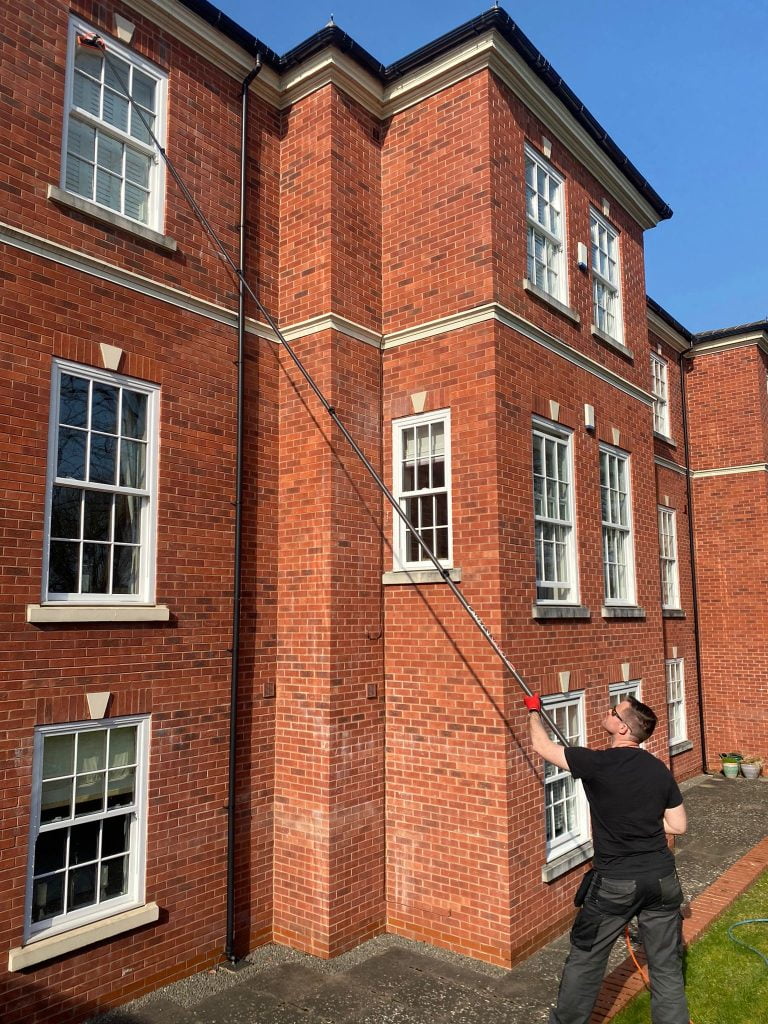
(725, 983)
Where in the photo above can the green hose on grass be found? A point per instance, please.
(738, 924)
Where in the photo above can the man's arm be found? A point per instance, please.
(542, 744)
(675, 820)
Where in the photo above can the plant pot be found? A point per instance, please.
(730, 769)
(751, 771)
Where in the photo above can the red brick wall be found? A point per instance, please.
(727, 405)
(329, 839)
(177, 672)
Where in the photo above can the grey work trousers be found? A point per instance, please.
(609, 905)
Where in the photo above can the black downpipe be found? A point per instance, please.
(694, 585)
(229, 951)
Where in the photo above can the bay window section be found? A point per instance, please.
(422, 485)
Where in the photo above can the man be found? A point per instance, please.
(634, 804)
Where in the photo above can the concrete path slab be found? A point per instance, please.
(390, 980)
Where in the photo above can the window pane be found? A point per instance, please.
(103, 462)
(65, 512)
(134, 415)
(137, 168)
(117, 74)
(81, 142)
(50, 851)
(85, 94)
(115, 110)
(114, 878)
(63, 567)
(143, 89)
(91, 750)
(71, 454)
(97, 515)
(122, 747)
(55, 800)
(81, 891)
(121, 786)
(125, 571)
(110, 154)
(73, 401)
(132, 455)
(107, 189)
(79, 177)
(58, 756)
(115, 835)
(136, 203)
(84, 842)
(95, 577)
(89, 793)
(127, 518)
(47, 897)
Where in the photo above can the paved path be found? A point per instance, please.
(393, 981)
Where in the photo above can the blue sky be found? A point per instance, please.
(679, 84)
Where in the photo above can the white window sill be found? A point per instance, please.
(404, 576)
(665, 438)
(559, 611)
(66, 942)
(623, 611)
(534, 289)
(58, 195)
(611, 342)
(672, 613)
(680, 747)
(566, 862)
(39, 614)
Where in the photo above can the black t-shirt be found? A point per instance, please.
(628, 791)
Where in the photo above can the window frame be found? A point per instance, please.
(135, 896)
(148, 494)
(660, 392)
(676, 702)
(156, 182)
(628, 599)
(546, 429)
(617, 692)
(535, 227)
(400, 532)
(599, 279)
(576, 837)
(669, 563)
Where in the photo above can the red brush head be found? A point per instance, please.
(92, 40)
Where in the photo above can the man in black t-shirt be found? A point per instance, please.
(634, 804)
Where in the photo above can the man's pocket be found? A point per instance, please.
(671, 892)
(614, 896)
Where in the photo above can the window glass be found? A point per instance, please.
(89, 825)
(422, 481)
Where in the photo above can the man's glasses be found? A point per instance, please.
(616, 714)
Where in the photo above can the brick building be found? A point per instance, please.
(239, 702)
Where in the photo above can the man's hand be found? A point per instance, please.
(533, 703)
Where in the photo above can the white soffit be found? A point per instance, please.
(668, 334)
(330, 66)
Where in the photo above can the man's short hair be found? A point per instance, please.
(640, 719)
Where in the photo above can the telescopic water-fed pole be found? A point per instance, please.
(95, 41)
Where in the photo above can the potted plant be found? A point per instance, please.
(730, 765)
(751, 766)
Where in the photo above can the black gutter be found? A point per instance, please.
(229, 948)
(685, 367)
(493, 20)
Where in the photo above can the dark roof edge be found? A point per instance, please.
(224, 24)
(669, 319)
(494, 19)
(727, 332)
